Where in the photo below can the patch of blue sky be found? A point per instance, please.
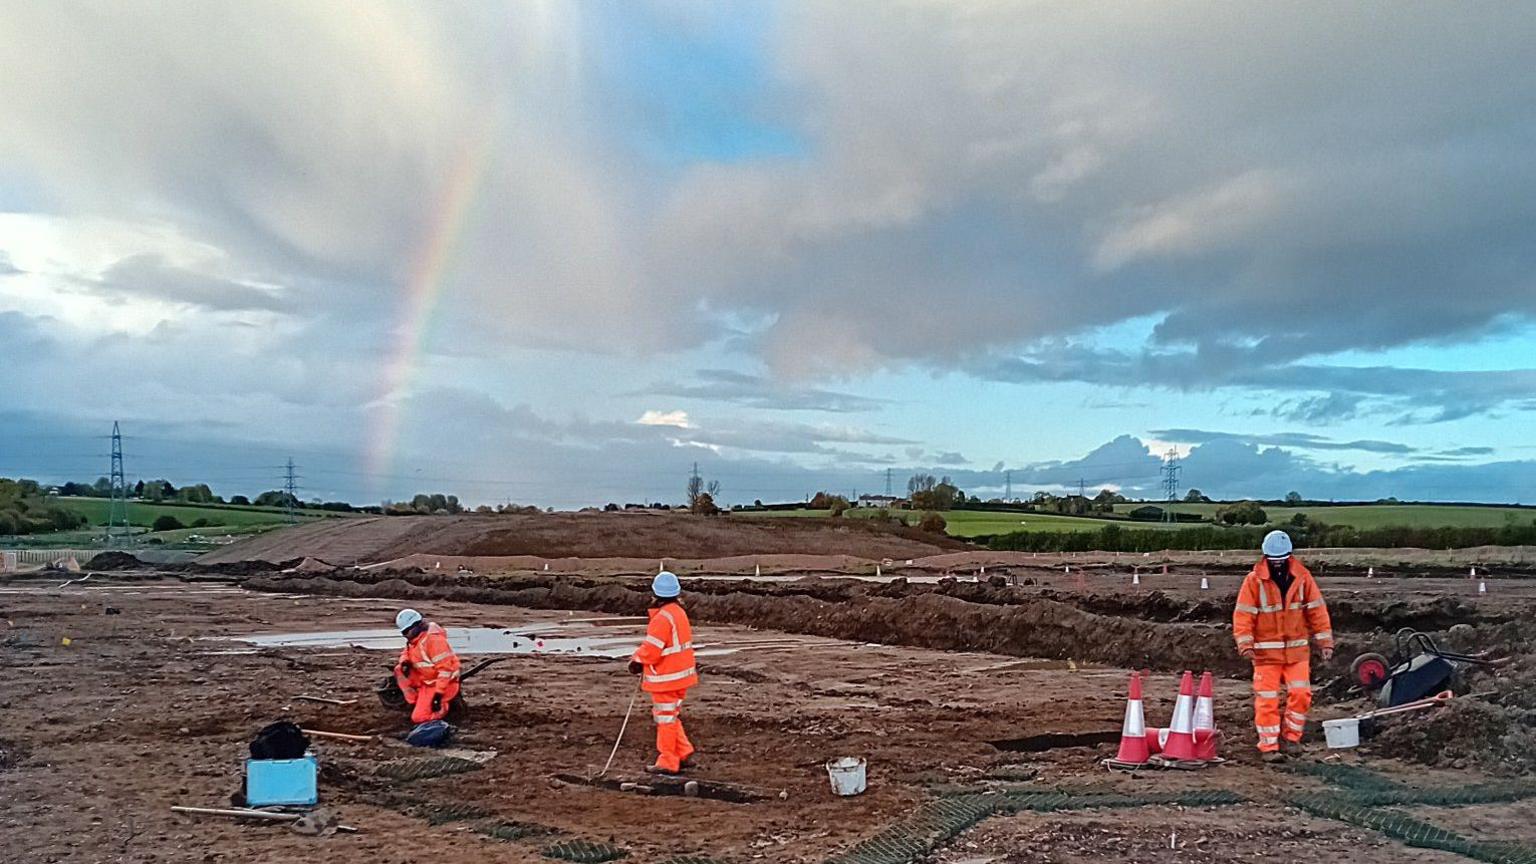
(1512, 345)
(680, 93)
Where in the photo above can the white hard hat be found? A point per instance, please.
(407, 619)
(1277, 544)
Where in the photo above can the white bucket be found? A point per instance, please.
(1342, 733)
(847, 773)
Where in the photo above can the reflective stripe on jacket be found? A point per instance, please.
(1280, 629)
(433, 663)
(667, 651)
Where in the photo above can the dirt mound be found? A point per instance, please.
(114, 560)
(641, 536)
(1495, 731)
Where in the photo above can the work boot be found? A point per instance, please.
(1291, 748)
(657, 769)
(1272, 757)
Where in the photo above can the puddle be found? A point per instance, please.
(552, 638)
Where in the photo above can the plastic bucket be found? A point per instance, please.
(847, 773)
(1342, 733)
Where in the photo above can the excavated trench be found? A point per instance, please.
(1026, 626)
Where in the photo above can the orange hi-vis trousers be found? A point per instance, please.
(1268, 679)
(672, 744)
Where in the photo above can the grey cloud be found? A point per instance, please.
(950, 458)
(756, 391)
(984, 166)
(1297, 440)
(1414, 395)
(150, 276)
(1468, 451)
(6, 267)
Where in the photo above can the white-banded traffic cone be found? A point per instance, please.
(1472, 573)
(1370, 572)
(1134, 750)
(1165, 569)
(1157, 739)
(877, 571)
(1205, 584)
(1181, 732)
(1482, 587)
(757, 569)
(1206, 736)
(1136, 578)
(546, 565)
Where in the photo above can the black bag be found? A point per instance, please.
(281, 740)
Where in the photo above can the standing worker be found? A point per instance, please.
(1279, 616)
(665, 663)
(428, 671)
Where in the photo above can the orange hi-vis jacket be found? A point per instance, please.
(667, 652)
(1280, 629)
(433, 663)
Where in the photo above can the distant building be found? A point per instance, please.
(890, 501)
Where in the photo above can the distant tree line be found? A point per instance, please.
(23, 510)
(1305, 533)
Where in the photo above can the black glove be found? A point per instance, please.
(437, 702)
(635, 667)
(404, 667)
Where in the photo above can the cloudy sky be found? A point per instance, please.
(560, 252)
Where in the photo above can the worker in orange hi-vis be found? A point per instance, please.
(428, 671)
(1279, 617)
(664, 661)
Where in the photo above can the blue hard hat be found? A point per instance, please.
(1277, 544)
(665, 584)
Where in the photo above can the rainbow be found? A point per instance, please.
(420, 296)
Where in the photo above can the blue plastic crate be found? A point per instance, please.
(282, 781)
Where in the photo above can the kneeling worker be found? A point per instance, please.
(428, 671)
(665, 663)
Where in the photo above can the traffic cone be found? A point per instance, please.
(1165, 569)
(1181, 732)
(1157, 739)
(1370, 572)
(1205, 584)
(1136, 578)
(1134, 751)
(1206, 736)
(1472, 573)
(1482, 587)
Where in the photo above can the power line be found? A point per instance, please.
(117, 512)
(291, 486)
(1170, 482)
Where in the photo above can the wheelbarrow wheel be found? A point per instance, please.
(391, 696)
(1370, 671)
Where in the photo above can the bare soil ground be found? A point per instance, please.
(636, 535)
(140, 711)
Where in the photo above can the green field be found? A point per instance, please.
(977, 523)
(1382, 515)
(143, 515)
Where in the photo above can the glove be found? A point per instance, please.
(437, 702)
(1327, 654)
(636, 667)
(404, 667)
(1245, 653)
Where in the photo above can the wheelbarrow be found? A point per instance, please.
(1418, 668)
(391, 696)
